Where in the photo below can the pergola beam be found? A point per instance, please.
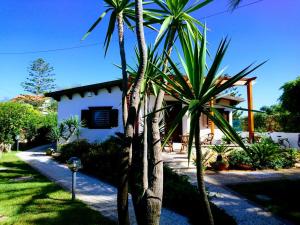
(250, 112)
(212, 124)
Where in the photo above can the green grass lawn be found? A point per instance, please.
(282, 197)
(26, 197)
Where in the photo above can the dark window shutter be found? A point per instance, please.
(86, 118)
(114, 117)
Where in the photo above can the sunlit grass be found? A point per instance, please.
(26, 197)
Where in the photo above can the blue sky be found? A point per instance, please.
(265, 30)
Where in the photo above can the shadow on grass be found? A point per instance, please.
(38, 201)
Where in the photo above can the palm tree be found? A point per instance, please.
(134, 100)
(147, 185)
(121, 11)
(195, 91)
(175, 18)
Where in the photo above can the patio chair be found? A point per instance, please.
(208, 140)
(184, 142)
(169, 146)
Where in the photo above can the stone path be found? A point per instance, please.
(95, 193)
(240, 208)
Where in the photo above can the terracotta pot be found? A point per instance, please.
(219, 166)
(244, 167)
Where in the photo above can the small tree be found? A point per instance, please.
(40, 79)
(17, 118)
(290, 97)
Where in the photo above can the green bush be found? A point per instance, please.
(237, 158)
(47, 123)
(74, 149)
(17, 118)
(264, 154)
(98, 159)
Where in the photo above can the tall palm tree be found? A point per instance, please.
(121, 11)
(135, 94)
(195, 88)
(174, 17)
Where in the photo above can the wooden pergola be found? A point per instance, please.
(243, 82)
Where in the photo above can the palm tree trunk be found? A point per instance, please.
(132, 116)
(200, 178)
(155, 191)
(145, 146)
(123, 64)
(124, 167)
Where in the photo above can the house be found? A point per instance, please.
(100, 106)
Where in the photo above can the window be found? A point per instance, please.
(100, 117)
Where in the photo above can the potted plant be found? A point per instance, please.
(221, 162)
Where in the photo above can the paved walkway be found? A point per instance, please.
(241, 209)
(95, 193)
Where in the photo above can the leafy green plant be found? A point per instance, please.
(239, 158)
(17, 118)
(195, 88)
(264, 154)
(221, 150)
(205, 159)
(69, 127)
(99, 159)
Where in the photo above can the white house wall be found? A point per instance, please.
(72, 107)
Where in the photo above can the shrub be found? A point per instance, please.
(99, 159)
(238, 158)
(17, 118)
(47, 123)
(74, 149)
(221, 150)
(263, 155)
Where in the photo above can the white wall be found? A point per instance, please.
(68, 108)
(292, 137)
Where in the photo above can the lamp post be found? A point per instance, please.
(74, 165)
(17, 140)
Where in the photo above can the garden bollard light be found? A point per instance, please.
(74, 165)
(17, 140)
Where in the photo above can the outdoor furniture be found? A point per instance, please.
(169, 146)
(184, 142)
(208, 139)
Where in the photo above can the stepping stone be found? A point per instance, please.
(26, 178)
(3, 218)
(263, 197)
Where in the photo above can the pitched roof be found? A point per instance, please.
(231, 98)
(83, 89)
